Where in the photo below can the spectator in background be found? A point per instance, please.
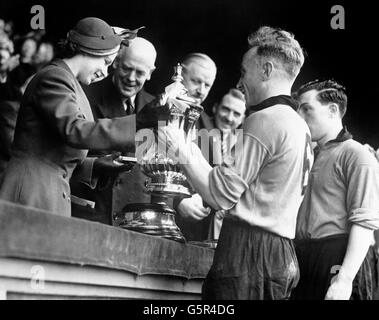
(9, 99)
(44, 54)
(8, 61)
(199, 74)
(26, 68)
(228, 116)
(28, 50)
(2, 25)
(9, 28)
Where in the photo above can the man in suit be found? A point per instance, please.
(199, 74)
(228, 116)
(121, 94)
(220, 131)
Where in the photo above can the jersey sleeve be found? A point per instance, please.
(362, 200)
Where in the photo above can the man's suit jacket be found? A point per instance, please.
(53, 133)
(210, 226)
(112, 193)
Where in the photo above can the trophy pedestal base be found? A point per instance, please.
(154, 219)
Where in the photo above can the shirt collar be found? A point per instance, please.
(269, 102)
(342, 136)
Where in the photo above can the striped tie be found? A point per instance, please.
(129, 107)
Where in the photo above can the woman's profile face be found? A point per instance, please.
(94, 68)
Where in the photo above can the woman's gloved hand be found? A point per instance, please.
(109, 166)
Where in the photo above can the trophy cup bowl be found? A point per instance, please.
(165, 177)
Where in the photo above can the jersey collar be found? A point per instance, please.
(269, 102)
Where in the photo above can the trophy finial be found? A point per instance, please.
(178, 73)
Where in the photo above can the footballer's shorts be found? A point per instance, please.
(320, 260)
(251, 263)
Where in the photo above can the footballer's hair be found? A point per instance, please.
(328, 91)
(280, 45)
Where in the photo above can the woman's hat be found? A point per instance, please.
(95, 37)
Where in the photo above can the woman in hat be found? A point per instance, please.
(55, 126)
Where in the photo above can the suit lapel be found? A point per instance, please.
(110, 105)
(142, 99)
(107, 102)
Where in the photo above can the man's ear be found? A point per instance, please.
(267, 68)
(150, 73)
(334, 110)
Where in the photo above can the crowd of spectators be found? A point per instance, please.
(21, 56)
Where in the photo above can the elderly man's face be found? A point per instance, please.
(198, 78)
(131, 73)
(229, 113)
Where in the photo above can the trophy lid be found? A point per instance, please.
(177, 73)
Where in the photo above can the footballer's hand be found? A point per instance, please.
(192, 208)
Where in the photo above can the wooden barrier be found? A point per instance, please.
(44, 256)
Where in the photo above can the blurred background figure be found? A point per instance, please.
(26, 68)
(9, 28)
(9, 99)
(28, 49)
(6, 50)
(8, 61)
(44, 54)
(2, 25)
